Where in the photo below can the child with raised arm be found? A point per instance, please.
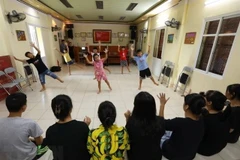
(64, 50)
(123, 57)
(141, 60)
(40, 66)
(99, 71)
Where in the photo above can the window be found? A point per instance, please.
(217, 41)
(158, 46)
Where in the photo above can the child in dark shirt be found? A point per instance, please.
(67, 138)
(183, 135)
(233, 95)
(216, 124)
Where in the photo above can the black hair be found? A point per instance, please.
(107, 114)
(95, 48)
(63, 40)
(139, 50)
(144, 114)
(234, 90)
(16, 101)
(217, 98)
(26, 54)
(123, 47)
(94, 55)
(61, 106)
(196, 103)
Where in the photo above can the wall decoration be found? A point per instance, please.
(89, 34)
(190, 37)
(126, 35)
(55, 37)
(83, 34)
(105, 36)
(114, 35)
(120, 39)
(170, 38)
(77, 35)
(120, 34)
(21, 35)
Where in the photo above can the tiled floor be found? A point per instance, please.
(81, 87)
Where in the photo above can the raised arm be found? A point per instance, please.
(88, 49)
(163, 101)
(67, 47)
(106, 55)
(32, 45)
(86, 57)
(118, 48)
(149, 49)
(132, 49)
(20, 60)
(99, 46)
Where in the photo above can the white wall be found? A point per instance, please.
(88, 27)
(8, 39)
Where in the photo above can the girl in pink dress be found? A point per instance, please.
(99, 70)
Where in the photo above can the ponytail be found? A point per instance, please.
(107, 114)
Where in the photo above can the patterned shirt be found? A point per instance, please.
(108, 144)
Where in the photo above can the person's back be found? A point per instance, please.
(16, 131)
(108, 142)
(185, 139)
(68, 140)
(146, 144)
(216, 134)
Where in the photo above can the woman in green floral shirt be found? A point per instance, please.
(108, 142)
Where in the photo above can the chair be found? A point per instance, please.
(167, 71)
(12, 70)
(8, 85)
(81, 57)
(29, 73)
(184, 78)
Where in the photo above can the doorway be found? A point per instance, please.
(158, 50)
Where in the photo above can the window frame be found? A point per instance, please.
(208, 19)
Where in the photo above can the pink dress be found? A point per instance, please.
(99, 71)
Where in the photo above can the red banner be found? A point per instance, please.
(105, 36)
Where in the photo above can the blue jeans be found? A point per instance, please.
(165, 137)
(47, 72)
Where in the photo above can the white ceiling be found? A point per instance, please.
(113, 9)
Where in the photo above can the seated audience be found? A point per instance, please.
(233, 95)
(183, 135)
(16, 132)
(108, 142)
(145, 129)
(67, 138)
(216, 125)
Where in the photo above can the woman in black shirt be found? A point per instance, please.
(233, 95)
(186, 133)
(145, 129)
(67, 138)
(216, 124)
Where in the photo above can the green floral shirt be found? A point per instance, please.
(108, 144)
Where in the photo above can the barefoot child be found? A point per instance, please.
(123, 57)
(144, 71)
(40, 66)
(98, 67)
(64, 50)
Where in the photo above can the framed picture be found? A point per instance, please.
(105, 36)
(83, 34)
(55, 37)
(120, 34)
(190, 37)
(170, 38)
(21, 35)
(89, 34)
(126, 35)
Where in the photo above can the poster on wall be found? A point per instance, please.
(105, 36)
(21, 35)
(190, 37)
(170, 38)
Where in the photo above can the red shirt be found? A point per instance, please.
(123, 54)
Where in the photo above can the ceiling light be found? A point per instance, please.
(79, 16)
(131, 6)
(99, 4)
(66, 3)
(122, 18)
(207, 2)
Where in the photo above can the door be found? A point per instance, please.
(158, 51)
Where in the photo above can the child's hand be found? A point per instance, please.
(99, 42)
(162, 98)
(132, 47)
(85, 55)
(87, 44)
(32, 44)
(118, 45)
(106, 50)
(127, 114)
(87, 120)
(14, 57)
